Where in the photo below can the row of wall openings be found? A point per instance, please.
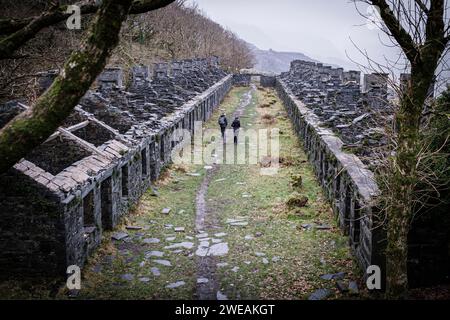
(106, 202)
(144, 162)
(125, 181)
(161, 149)
(90, 226)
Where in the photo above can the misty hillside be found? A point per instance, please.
(273, 61)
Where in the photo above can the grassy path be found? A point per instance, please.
(250, 244)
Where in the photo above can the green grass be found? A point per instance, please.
(298, 272)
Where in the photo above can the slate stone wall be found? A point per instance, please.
(348, 184)
(50, 221)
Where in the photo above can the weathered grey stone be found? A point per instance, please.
(119, 236)
(133, 227)
(151, 240)
(186, 245)
(154, 254)
(353, 287)
(155, 271)
(219, 249)
(341, 286)
(127, 277)
(144, 279)
(220, 296)
(176, 285)
(202, 280)
(220, 234)
(222, 264)
(166, 263)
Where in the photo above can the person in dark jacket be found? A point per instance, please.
(223, 123)
(236, 125)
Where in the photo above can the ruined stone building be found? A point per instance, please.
(344, 133)
(57, 202)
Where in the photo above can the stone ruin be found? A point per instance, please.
(332, 115)
(58, 200)
(358, 116)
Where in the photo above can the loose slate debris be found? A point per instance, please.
(219, 249)
(166, 263)
(202, 235)
(319, 294)
(166, 211)
(179, 229)
(151, 240)
(127, 277)
(353, 287)
(119, 236)
(306, 226)
(175, 284)
(133, 228)
(222, 265)
(202, 280)
(202, 251)
(73, 293)
(204, 244)
(221, 296)
(239, 224)
(155, 271)
(193, 174)
(323, 227)
(219, 235)
(186, 245)
(155, 192)
(144, 279)
(154, 254)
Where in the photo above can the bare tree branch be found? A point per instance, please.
(403, 38)
(422, 6)
(26, 29)
(32, 127)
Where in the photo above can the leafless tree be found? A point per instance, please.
(32, 127)
(421, 29)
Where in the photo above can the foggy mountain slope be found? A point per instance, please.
(274, 61)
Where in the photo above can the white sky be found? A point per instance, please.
(321, 29)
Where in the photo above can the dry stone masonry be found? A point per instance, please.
(57, 201)
(358, 117)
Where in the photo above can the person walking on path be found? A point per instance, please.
(236, 125)
(223, 123)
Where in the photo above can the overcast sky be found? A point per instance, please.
(321, 29)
